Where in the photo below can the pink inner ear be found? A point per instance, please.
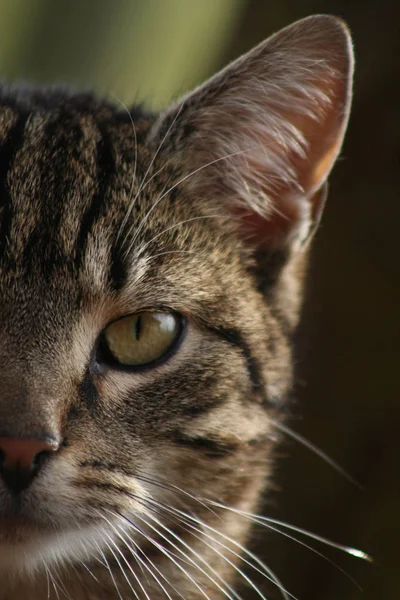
(277, 229)
(269, 230)
(294, 194)
(267, 130)
(324, 134)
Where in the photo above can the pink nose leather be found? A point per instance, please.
(20, 453)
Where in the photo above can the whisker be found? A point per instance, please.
(163, 484)
(174, 226)
(192, 523)
(142, 185)
(107, 565)
(237, 569)
(153, 256)
(126, 217)
(269, 523)
(183, 179)
(262, 520)
(301, 543)
(166, 553)
(63, 588)
(149, 180)
(119, 565)
(266, 571)
(48, 582)
(313, 448)
(142, 563)
(181, 541)
(135, 167)
(50, 578)
(57, 586)
(84, 565)
(127, 562)
(76, 572)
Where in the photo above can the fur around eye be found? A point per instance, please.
(141, 339)
(123, 475)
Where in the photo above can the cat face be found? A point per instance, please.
(71, 268)
(150, 277)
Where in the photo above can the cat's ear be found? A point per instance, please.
(263, 134)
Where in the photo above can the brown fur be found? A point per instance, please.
(101, 218)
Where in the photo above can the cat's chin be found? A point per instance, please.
(26, 550)
(14, 531)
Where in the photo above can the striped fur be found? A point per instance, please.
(105, 212)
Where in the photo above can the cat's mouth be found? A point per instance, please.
(23, 518)
(15, 530)
(20, 525)
(34, 535)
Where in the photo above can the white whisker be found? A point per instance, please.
(133, 225)
(196, 554)
(196, 253)
(183, 179)
(127, 562)
(143, 564)
(261, 520)
(143, 184)
(169, 555)
(56, 587)
(84, 565)
(121, 568)
(313, 448)
(265, 570)
(276, 529)
(174, 488)
(174, 226)
(107, 565)
(49, 577)
(264, 521)
(135, 167)
(63, 589)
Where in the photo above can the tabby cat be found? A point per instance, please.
(151, 268)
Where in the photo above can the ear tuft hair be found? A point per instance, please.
(263, 134)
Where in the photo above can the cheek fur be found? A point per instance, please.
(117, 484)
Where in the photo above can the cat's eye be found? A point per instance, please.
(141, 339)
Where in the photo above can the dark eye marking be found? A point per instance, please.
(88, 391)
(211, 447)
(235, 338)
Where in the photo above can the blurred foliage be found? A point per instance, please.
(348, 386)
(147, 51)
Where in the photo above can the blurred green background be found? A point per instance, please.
(348, 363)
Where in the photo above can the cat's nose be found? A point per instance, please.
(21, 460)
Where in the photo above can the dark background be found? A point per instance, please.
(348, 364)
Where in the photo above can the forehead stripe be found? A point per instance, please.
(8, 150)
(105, 172)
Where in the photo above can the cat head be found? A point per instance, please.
(150, 277)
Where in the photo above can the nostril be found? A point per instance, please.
(40, 458)
(22, 452)
(21, 460)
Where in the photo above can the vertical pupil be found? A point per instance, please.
(138, 327)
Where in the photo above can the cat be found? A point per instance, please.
(151, 275)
